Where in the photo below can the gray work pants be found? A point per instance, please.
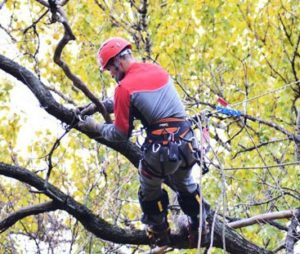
(155, 168)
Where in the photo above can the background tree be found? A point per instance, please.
(245, 52)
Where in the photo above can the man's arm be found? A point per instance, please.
(106, 131)
(91, 108)
(111, 133)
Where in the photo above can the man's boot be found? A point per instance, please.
(193, 232)
(155, 218)
(159, 234)
(190, 205)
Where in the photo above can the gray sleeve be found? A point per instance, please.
(111, 133)
(108, 103)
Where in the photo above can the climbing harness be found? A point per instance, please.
(170, 133)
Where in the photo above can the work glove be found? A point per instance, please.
(86, 110)
(89, 125)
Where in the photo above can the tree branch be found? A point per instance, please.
(292, 235)
(93, 223)
(248, 149)
(262, 218)
(128, 149)
(2, 4)
(59, 16)
(24, 212)
(290, 135)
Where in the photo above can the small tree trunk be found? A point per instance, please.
(298, 134)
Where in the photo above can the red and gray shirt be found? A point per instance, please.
(146, 93)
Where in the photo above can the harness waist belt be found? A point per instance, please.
(167, 129)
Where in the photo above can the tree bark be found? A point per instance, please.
(292, 235)
(235, 243)
(28, 211)
(128, 149)
(262, 218)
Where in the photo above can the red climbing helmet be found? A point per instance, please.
(109, 49)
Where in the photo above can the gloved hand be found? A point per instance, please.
(89, 125)
(86, 110)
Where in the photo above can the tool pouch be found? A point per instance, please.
(173, 151)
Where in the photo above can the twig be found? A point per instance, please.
(77, 82)
(61, 95)
(54, 147)
(35, 22)
(258, 146)
(267, 166)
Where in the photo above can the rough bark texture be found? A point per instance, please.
(28, 211)
(235, 243)
(292, 235)
(128, 149)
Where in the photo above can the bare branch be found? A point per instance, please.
(290, 135)
(77, 82)
(266, 166)
(292, 235)
(35, 22)
(260, 145)
(128, 149)
(262, 218)
(63, 96)
(287, 34)
(43, 3)
(293, 62)
(28, 211)
(8, 33)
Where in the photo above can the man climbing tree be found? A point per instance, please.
(245, 52)
(145, 92)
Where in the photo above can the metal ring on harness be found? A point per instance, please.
(178, 142)
(156, 147)
(81, 118)
(193, 141)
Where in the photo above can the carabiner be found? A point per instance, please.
(155, 149)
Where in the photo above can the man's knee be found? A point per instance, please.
(156, 206)
(190, 202)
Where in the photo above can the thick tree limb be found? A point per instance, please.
(262, 218)
(292, 235)
(91, 222)
(24, 212)
(234, 242)
(128, 149)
